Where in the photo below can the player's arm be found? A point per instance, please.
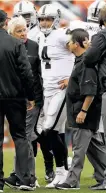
(94, 52)
(82, 115)
(64, 40)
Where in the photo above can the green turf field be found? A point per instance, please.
(86, 179)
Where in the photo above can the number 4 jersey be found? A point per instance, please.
(56, 61)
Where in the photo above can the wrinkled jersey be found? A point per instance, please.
(56, 61)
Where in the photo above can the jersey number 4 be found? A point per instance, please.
(45, 58)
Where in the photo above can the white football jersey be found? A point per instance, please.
(33, 33)
(91, 27)
(56, 61)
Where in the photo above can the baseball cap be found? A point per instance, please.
(3, 15)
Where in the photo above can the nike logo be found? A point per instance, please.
(87, 81)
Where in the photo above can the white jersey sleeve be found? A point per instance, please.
(63, 38)
(33, 33)
(92, 28)
(77, 24)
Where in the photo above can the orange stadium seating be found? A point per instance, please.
(83, 3)
(8, 5)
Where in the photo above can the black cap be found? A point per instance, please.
(3, 15)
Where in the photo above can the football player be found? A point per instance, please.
(28, 11)
(56, 65)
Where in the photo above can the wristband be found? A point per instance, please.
(84, 111)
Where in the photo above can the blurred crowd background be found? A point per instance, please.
(75, 8)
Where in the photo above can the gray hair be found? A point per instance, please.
(14, 22)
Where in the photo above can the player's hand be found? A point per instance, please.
(63, 83)
(66, 82)
(30, 105)
(81, 117)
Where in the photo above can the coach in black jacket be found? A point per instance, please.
(16, 84)
(96, 56)
(17, 27)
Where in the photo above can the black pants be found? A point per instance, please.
(31, 123)
(15, 112)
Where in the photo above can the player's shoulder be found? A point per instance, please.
(60, 33)
(61, 36)
(61, 30)
(77, 24)
(89, 26)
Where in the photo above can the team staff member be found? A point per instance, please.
(83, 101)
(54, 57)
(27, 10)
(16, 84)
(97, 50)
(17, 27)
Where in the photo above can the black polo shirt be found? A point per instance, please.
(83, 82)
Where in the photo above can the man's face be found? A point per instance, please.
(72, 46)
(20, 32)
(46, 22)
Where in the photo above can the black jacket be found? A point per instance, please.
(83, 82)
(16, 77)
(32, 52)
(96, 55)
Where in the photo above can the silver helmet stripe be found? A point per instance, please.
(20, 7)
(44, 8)
(96, 9)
